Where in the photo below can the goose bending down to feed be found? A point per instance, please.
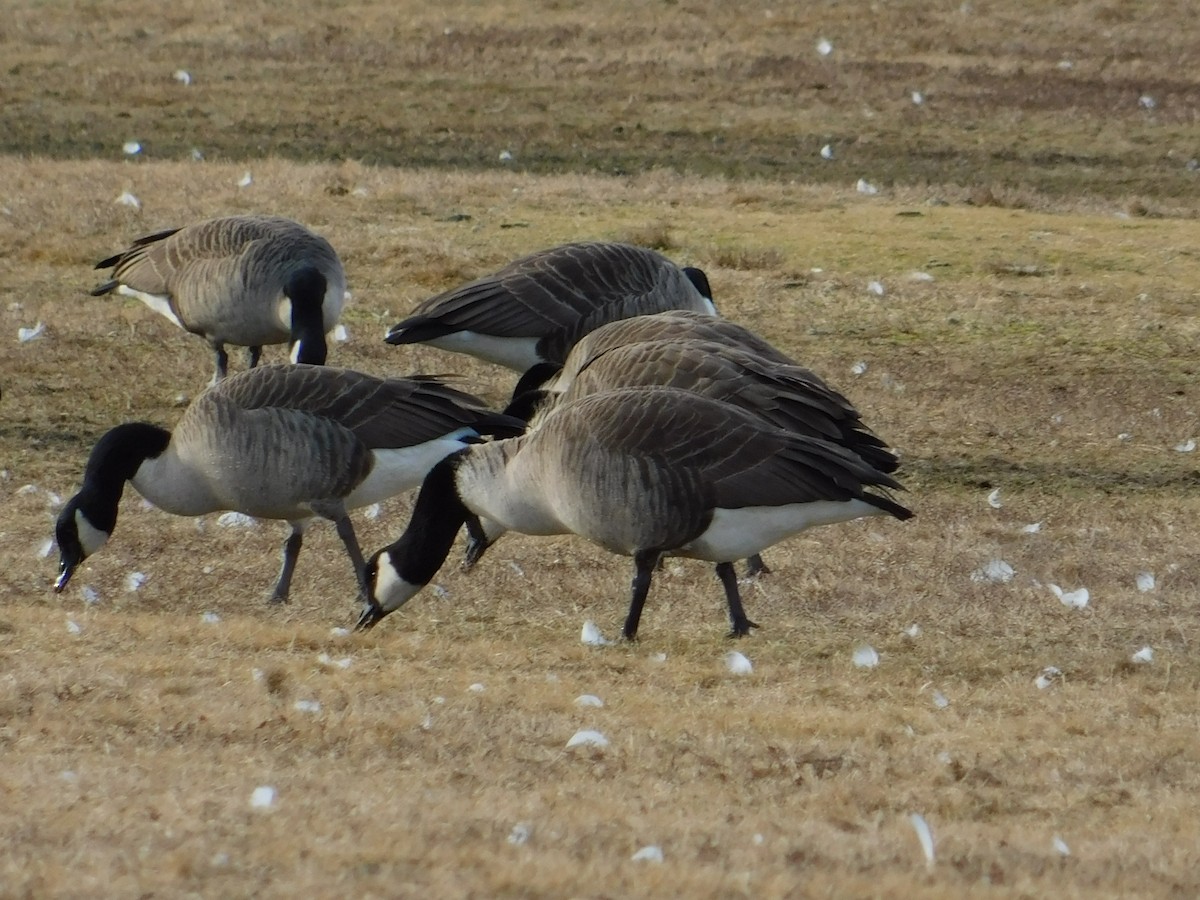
(644, 473)
(533, 309)
(787, 396)
(277, 442)
(242, 280)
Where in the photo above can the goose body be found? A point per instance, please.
(785, 395)
(242, 280)
(277, 442)
(642, 472)
(533, 309)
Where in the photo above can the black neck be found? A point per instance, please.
(114, 460)
(535, 376)
(699, 281)
(306, 289)
(524, 406)
(438, 515)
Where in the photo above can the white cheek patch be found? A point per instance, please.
(710, 306)
(91, 538)
(294, 356)
(283, 310)
(391, 591)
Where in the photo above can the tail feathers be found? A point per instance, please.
(105, 288)
(417, 330)
(875, 453)
(110, 262)
(888, 505)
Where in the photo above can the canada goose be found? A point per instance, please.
(642, 472)
(786, 396)
(670, 325)
(533, 309)
(277, 442)
(244, 280)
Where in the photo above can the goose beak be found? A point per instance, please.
(372, 612)
(66, 568)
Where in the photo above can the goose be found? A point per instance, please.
(243, 280)
(786, 396)
(669, 325)
(533, 309)
(642, 472)
(288, 442)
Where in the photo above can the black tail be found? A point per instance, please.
(105, 288)
(417, 330)
(888, 505)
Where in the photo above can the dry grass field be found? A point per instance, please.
(1036, 241)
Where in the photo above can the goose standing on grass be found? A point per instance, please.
(278, 442)
(641, 472)
(242, 280)
(533, 309)
(787, 396)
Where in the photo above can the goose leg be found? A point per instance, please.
(253, 355)
(222, 368)
(477, 543)
(755, 566)
(737, 615)
(291, 550)
(644, 562)
(345, 530)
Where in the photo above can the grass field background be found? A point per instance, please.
(1035, 237)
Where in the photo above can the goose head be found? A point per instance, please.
(82, 529)
(387, 589)
(88, 519)
(398, 572)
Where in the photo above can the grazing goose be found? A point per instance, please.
(533, 309)
(671, 325)
(641, 472)
(786, 396)
(243, 280)
(277, 442)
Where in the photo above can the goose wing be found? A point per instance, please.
(720, 448)
(156, 262)
(540, 294)
(380, 412)
(788, 396)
